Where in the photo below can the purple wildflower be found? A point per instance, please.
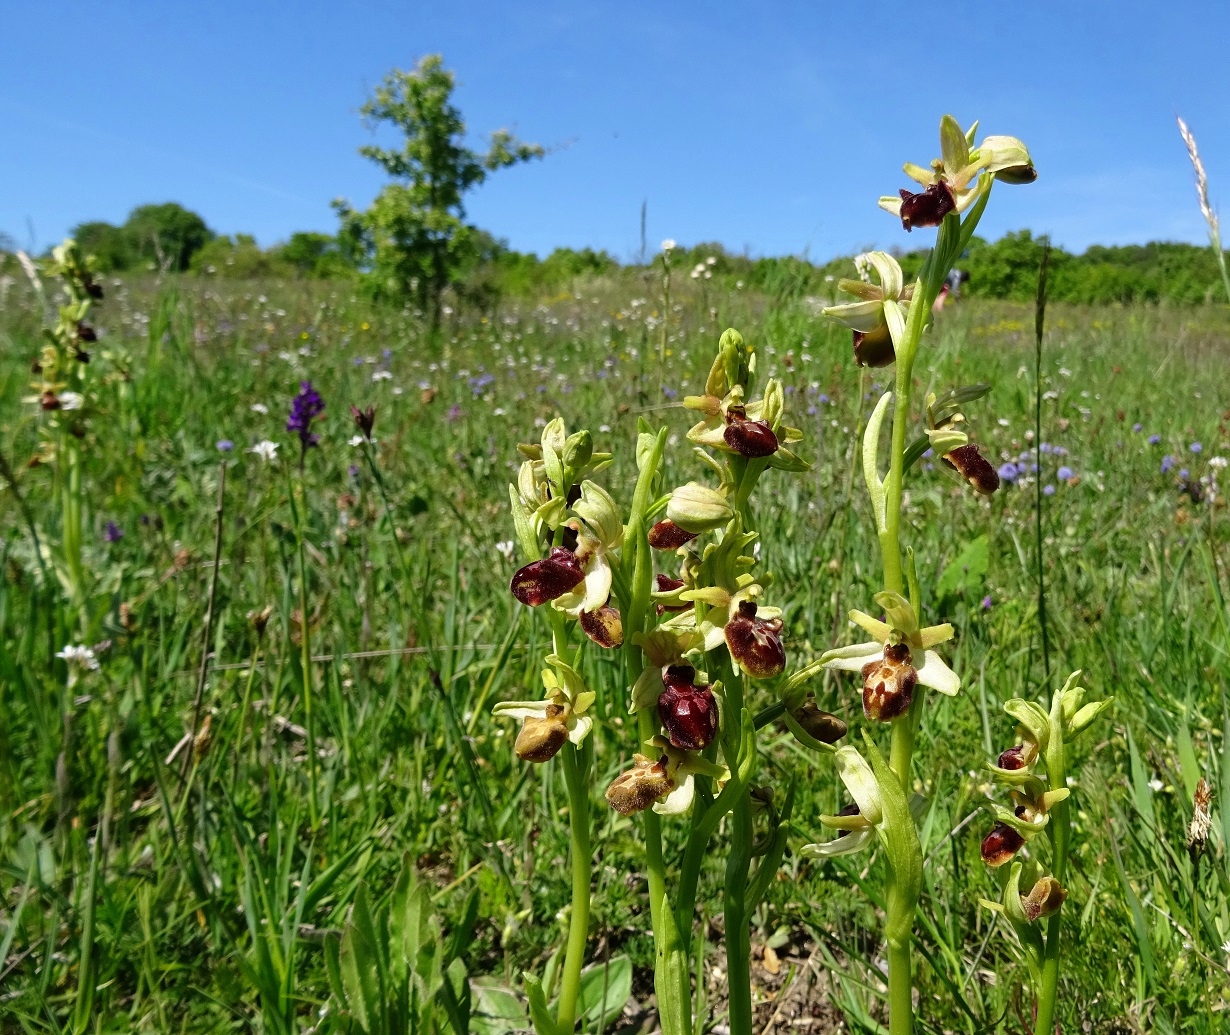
(1138, 427)
(454, 413)
(225, 445)
(1048, 490)
(113, 533)
(1167, 463)
(822, 398)
(1064, 473)
(1154, 439)
(1196, 447)
(1045, 447)
(986, 602)
(1009, 472)
(306, 407)
(670, 393)
(1184, 473)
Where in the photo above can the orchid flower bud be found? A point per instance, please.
(823, 726)
(697, 508)
(540, 739)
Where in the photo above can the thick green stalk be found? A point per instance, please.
(576, 777)
(738, 864)
(900, 989)
(1059, 829)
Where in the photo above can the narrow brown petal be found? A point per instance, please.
(1001, 844)
(928, 207)
(604, 626)
(666, 535)
(974, 467)
(552, 577)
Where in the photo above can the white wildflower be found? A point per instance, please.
(71, 400)
(259, 408)
(505, 548)
(266, 450)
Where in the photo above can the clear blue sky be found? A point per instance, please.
(769, 126)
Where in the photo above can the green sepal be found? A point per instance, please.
(1033, 717)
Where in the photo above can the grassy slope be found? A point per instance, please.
(1130, 566)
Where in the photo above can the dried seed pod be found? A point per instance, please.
(1001, 844)
(1044, 898)
(635, 789)
(1198, 831)
(974, 467)
(874, 348)
(824, 726)
(541, 581)
(540, 739)
(688, 712)
(756, 643)
(604, 626)
(888, 684)
(666, 535)
(928, 207)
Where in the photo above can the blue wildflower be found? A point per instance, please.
(225, 445)
(1048, 490)
(1064, 473)
(986, 602)
(1009, 472)
(113, 533)
(670, 393)
(1137, 427)
(1184, 473)
(1154, 439)
(1196, 447)
(1167, 463)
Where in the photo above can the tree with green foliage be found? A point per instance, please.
(414, 241)
(110, 246)
(166, 235)
(314, 255)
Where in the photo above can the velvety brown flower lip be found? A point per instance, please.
(928, 207)
(874, 348)
(1014, 758)
(604, 626)
(753, 439)
(756, 643)
(687, 712)
(1001, 844)
(635, 789)
(553, 576)
(888, 684)
(974, 468)
(666, 535)
(1044, 898)
(540, 739)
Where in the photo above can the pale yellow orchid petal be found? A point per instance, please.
(936, 674)
(872, 626)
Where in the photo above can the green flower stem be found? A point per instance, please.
(1058, 829)
(305, 659)
(738, 863)
(576, 776)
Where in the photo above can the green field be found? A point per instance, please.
(198, 893)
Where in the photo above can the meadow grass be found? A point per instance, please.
(147, 889)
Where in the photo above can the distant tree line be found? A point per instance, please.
(483, 269)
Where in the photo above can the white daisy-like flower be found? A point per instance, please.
(79, 659)
(71, 400)
(669, 245)
(259, 408)
(382, 375)
(266, 450)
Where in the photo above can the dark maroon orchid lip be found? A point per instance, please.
(548, 579)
